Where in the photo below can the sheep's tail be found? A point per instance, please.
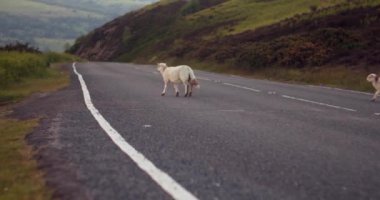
(192, 79)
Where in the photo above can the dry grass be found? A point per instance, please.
(56, 79)
(19, 177)
(337, 76)
(333, 76)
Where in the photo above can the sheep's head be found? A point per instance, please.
(372, 78)
(161, 67)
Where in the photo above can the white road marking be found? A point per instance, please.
(147, 126)
(242, 87)
(236, 110)
(378, 114)
(319, 103)
(167, 183)
(202, 78)
(339, 89)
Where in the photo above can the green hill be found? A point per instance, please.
(244, 35)
(52, 24)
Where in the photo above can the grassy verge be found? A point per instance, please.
(55, 79)
(19, 176)
(333, 76)
(337, 76)
(24, 73)
(18, 171)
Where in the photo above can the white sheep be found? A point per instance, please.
(375, 80)
(179, 74)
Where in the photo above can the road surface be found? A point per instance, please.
(236, 138)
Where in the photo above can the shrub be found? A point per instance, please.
(15, 66)
(301, 54)
(20, 47)
(225, 53)
(127, 35)
(336, 37)
(254, 56)
(191, 7)
(313, 8)
(53, 57)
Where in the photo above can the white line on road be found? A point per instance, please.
(205, 79)
(318, 103)
(236, 110)
(161, 178)
(242, 87)
(339, 89)
(377, 114)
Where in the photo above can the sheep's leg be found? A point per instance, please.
(186, 91)
(191, 90)
(377, 93)
(164, 91)
(176, 90)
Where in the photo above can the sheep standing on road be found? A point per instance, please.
(179, 74)
(375, 80)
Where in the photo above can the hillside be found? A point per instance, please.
(243, 35)
(52, 24)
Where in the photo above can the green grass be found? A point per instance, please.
(333, 76)
(53, 80)
(14, 66)
(228, 18)
(252, 14)
(341, 7)
(155, 5)
(120, 2)
(336, 76)
(24, 73)
(19, 176)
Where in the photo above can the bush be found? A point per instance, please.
(14, 66)
(53, 57)
(254, 56)
(20, 47)
(337, 38)
(300, 53)
(313, 8)
(191, 7)
(292, 51)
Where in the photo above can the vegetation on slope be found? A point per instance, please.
(167, 24)
(249, 36)
(313, 39)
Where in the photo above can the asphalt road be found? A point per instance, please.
(236, 138)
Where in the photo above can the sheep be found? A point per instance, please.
(179, 74)
(375, 80)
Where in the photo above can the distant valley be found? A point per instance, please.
(53, 25)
